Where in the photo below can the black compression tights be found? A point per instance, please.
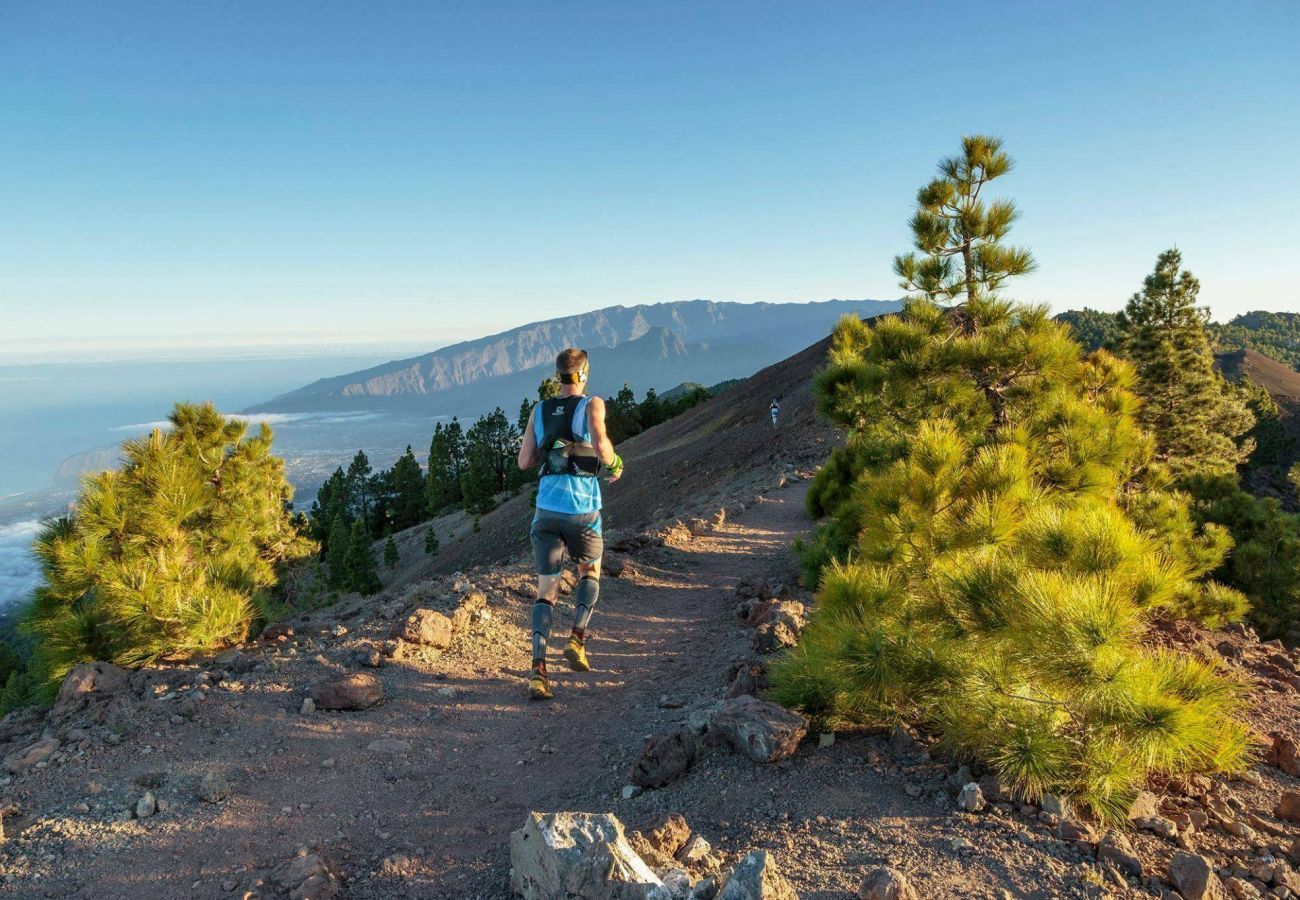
(585, 596)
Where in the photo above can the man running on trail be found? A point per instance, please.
(774, 410)
(566, 437)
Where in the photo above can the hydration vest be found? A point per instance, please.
(563, 426)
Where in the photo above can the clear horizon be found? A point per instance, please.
(187, 177)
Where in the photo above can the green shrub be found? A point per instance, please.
(1265, 561)
(990, 566)
(169, 555)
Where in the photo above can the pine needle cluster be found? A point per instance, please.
(172, 554)
(994, 573)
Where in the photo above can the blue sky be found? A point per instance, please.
(238, 173)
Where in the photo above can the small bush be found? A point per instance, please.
(170, 555)
(1265, 562)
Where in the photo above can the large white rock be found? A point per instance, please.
(583, 856)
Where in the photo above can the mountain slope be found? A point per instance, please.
(721, 450)
(728, 339)
(1269, 472)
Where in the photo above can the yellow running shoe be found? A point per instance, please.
(539, 686)
(575, 654)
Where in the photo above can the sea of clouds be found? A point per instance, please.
(274, 418)
(18, 572)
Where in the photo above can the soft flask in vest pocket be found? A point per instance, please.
(565, 453)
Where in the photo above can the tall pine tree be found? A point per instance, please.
(358, 482)
(363, 573)
(407, 484)
(446, 467)
(986, 573)
(336, 553)
(1198, 419)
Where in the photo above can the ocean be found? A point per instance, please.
(52, 415)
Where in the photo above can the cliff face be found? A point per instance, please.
(726, 339)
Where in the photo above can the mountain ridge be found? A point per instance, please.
(741, 337)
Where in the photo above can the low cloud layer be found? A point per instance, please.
(18, 572)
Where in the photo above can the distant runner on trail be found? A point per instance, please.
(774, 410)
(566, 437)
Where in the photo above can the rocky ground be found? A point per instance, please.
(384, 748)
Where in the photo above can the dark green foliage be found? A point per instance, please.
(651, 410)
(1272, 447)
(622, 416)
(1199, 420)
(405, 499)
(958, 233)
(358, 485)
(334, 499)
(363, 573)
(479, 485)
(1276, 335)
(431, 542)
(391, 554)
(1265, 561)
(10, 662)
(336, 553)
(1092, 329)
(447, 465)
(170, 555)
(492, 446)
(29, 684)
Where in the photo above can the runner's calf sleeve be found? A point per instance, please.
(585, 596)
(542, 614)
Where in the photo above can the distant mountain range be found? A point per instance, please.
(656, 345)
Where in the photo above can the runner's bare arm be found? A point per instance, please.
(600, 441)
(528, 456)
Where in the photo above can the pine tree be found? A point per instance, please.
(1092, 329)
(363, 573)
(391, 554)
(446, 467)
(480, 485)
(407, 483)
(1198, 419)
(525, 413)
(988, 571)
(332, 500)
(958, 233)
(336, 553)
(173, 553)
(495, 440)
(431, 542)
(547, 389)
(358, 482)
(650, 411)
(621, 418)
(1265, 559)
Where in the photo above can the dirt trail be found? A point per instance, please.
(431, 819)
(417, 797)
